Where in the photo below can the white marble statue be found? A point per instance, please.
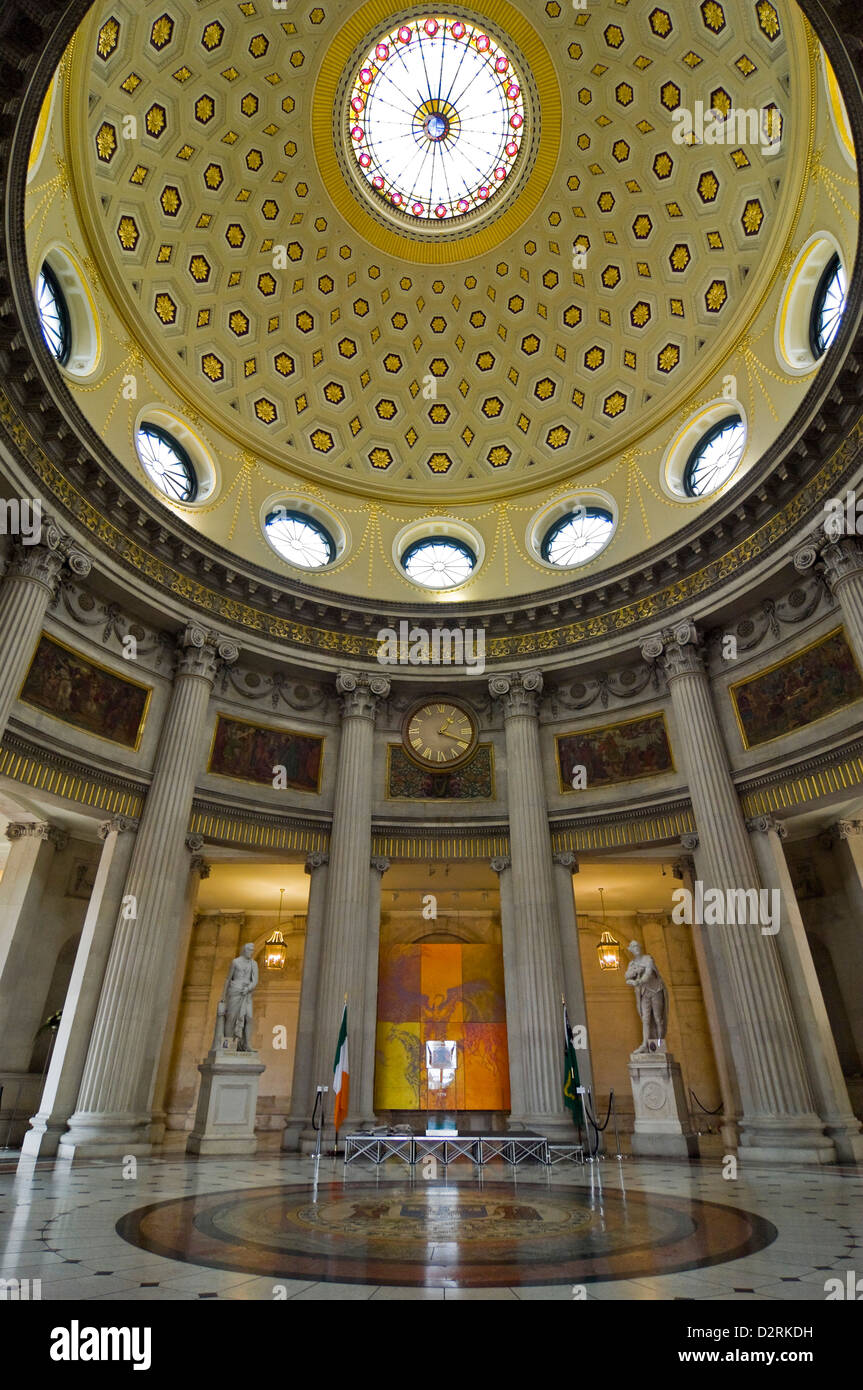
(236, 1001)
(651, 997)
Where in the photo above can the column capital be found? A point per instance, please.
(690, 841)
(676, 649)
(118, 825)
(194, 843)
(200, 866)
(501, 863)
(37, 562)
(201, 651)
(568, 858)
(764, 824)
(360, 693)
(518, 693)
(315, 859)
(842, 557)
(379, 864)
(40, 830)
(840, 830)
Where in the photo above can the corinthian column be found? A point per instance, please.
(32, 576)
(502, 866)
(535, 908)
(842, 566)
(825, 1070)
(113, 1113)
(779, 1122)
(565, 869)
(346, 916)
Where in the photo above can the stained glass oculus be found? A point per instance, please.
(435, 122)
(53, 315)
(166, 463)
(299, 539)
(577, 537)
(715, 457)
(828, 307)
(438, 562)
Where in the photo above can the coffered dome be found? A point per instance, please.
(320, 332)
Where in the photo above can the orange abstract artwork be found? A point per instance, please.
(441, 991)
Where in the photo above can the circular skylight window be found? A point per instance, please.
(715, 457)
(828, 307)
(166, 463)
(299, 539)
(438, 562)
(577, 537)
(436, 122)
(53, 315)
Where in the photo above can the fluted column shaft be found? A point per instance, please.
(842, 562)
(778, 1110)
(304, 1081)
(822, 1059)
(82, 996)
(565, 867)
(502, 866)
(535, 905)
(113, 1113)
(844, 939)
(345, 934)
(29, 586)
(363, 1099)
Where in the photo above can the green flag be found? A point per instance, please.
(571, 1098)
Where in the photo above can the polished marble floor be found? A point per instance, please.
(277, 1226)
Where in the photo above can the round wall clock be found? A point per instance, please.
(439, 734)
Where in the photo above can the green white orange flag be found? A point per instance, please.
(341, 1073)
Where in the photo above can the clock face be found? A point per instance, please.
(439, 734)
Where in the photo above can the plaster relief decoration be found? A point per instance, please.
(473, 782)
(434, 990)
(805, 687)
(615, 753)
(255, 752)
(84, 693)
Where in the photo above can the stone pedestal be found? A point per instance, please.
(662, 1128)
(227, 1102)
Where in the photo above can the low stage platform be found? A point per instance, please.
(478, 1149)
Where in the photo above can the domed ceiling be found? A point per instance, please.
(197, 157)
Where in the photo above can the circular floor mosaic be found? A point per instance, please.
(445, 1235)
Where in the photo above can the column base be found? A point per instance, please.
(798, 1140)
(42, 1139)
(556, 1128)
(847, 1139)
(292, 1133)
(92, 1135)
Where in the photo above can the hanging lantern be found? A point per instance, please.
(608, 949)
(276, 952)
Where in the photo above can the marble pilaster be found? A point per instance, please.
(304, 1082)
(708, 975)
(565, 869)
(26, 966)
(819, 1047)
(502, 866)
(535, 908)
(778, 1121)
(113, 1113)
(82, 996)
(365, 1095)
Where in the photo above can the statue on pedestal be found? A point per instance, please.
(235, 1006)
(651, 997)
